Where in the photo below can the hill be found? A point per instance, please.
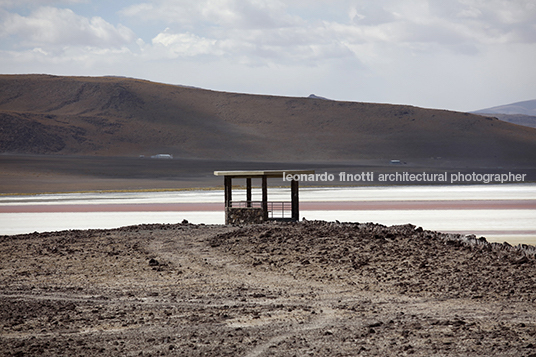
(110, 116)
(520, 113)
(527, 107)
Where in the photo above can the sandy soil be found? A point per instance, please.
(304, 289)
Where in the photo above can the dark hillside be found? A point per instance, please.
(43, 114)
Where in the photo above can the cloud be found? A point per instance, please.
(50, 26)
(271, 32)
(37, 3)
(256, 14)
(186, 44)
(370, 13)
(223, 13)
(69, 58)
(257, 29)
(254, 32)
(290, 45)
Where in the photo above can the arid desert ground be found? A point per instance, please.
(311, 288)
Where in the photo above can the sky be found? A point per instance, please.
(459, 55)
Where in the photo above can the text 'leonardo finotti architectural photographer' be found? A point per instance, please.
(424, 177)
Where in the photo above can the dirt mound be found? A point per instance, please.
(396, 258)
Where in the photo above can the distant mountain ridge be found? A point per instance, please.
(520, 113)
(314, 96)
(114, 116)
(527, 107)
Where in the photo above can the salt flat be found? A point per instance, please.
(509, 214)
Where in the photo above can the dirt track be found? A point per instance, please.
(306, 289)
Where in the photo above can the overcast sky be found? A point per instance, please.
(453, 54)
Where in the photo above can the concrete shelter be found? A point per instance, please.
(248, 211)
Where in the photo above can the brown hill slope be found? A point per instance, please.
(44, 114)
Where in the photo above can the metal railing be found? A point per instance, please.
(246, 204)
(275, 209)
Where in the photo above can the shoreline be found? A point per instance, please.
(304, 206)
(505, 214)
(113, 191)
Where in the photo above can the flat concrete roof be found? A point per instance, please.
(260, 173)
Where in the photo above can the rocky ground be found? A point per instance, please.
(303, 289)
